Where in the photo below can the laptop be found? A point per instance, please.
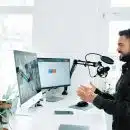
(72, 127)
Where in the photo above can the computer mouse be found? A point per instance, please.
(82, 104)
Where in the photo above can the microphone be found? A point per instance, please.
(107, 60)
(102, 71)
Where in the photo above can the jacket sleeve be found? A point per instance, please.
(104, 95)
(112, 106)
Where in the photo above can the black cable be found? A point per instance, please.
(90, 73)
(88, 66)
(47, 90)
(90, 54)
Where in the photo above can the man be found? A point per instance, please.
(118, 104)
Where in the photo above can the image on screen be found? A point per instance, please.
(27, 74)
(54, 72)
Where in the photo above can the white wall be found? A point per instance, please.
(69, 28)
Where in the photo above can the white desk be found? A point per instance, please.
(45, 119)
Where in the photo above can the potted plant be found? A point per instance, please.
(7, 105)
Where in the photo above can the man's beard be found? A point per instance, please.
(125, 57)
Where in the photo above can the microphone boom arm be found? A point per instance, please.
(85, 63)
(80, 62)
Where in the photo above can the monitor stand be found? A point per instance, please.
(38, 104)
(29, 107)
(52, 96)
(28, 111)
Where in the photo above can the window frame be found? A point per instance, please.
(2, 5)
(18, 10)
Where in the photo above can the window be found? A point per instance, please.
(120, 3)
(16, 2)
(15, 31)
(116, 18)
(114, 28)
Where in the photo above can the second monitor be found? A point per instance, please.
(54, 72)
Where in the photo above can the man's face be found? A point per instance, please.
(123, 45)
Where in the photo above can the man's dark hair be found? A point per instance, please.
(125, 33)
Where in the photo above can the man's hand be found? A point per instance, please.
(86, 93)
(90, 86)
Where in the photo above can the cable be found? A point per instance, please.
(99, 68)
(47, 90)
(90, 73)
(91, 54)
(88, 66)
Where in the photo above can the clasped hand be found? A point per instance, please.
(86, 93)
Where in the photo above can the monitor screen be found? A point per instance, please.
(27, 74)
(54, 72)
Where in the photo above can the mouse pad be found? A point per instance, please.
(81, 108)
(72, 127)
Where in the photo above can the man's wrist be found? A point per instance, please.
(94, 89)
(94, 96)
(97, 91)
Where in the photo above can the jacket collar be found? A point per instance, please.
(125, 67)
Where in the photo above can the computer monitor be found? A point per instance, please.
(54, 72)
(28, 77)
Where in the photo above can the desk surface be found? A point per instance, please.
(43, 118)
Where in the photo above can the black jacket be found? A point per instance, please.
(118, 104)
